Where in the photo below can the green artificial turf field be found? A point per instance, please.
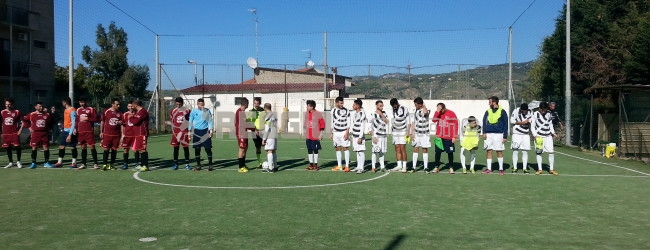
(595, 203)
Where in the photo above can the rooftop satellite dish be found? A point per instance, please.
(251, 63)
(310, 64)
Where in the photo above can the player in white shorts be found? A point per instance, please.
(469, 137)
(340, 134)
(495, 133)
(378, 130)
(420, 132)
(543, 131)
(270, 140)
(400, 123)
(358, 139)
(520, 136)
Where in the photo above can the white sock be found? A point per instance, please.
(269, 159)
(399, 164)
(373, 160)
(489, 164)
(315, 158)
(60, 160)
(415, 160)
(539, 162)
(361, 158)
(462, 158)
(347, 157)
(338, 158)
(404, 164)
(311, 158)
(500, 160)
(74, 160)
(515, 159)
(425, 159)
(524, 159)
(551, 161)
(381, 161)
(472, 157)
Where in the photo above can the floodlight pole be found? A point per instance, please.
(196, 82)
(71, 55)
(325, 70)
(567, 80)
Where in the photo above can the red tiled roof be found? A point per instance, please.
(261, 88)
(250, 81)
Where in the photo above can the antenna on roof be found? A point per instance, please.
(308, 58)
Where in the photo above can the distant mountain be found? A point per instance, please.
(476, 83)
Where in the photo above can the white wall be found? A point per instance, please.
(224, 111)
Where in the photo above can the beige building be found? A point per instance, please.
(27, 55)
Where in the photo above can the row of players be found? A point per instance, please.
(77, 129)
(129, 131)
(348, 126)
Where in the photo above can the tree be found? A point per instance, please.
(80, 74)
(109, 69)
(609, 46)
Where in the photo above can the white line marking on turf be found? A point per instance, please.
(604, 163)
(137, 177)
(606, 175)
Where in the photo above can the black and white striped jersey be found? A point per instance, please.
(358, 123)
(379, 127)
(400, 120)
(421, 122)
(270, 126)
(542, 124)
(340, 119)
(517, 116)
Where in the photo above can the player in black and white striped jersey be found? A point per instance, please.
(420, 132)
(400, 123)
(379, 131)
(520, 136)
(340, 134)
(543, 131)
(358, 129)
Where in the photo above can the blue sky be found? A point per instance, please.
(433, 36)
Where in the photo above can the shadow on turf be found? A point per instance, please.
(397, 240)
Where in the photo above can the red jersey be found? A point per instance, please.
(241, 125)
(129, 129)
(446, 124)
(86, 126)
(38, 121)
(179, 117)
(314, 122)
(112, 121)
(140, 121)
(10, 121)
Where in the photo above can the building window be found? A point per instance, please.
(40, 44)
(40, 94)
(238, 100)
(4, 57)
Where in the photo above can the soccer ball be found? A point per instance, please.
(265, 165)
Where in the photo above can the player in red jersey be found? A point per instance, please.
(241, 131)
(128, 136)
(179, 120)
(110, 132)
(11, 129)
(313, 128)
(39, 126)
(140, 120)
(85, 136)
